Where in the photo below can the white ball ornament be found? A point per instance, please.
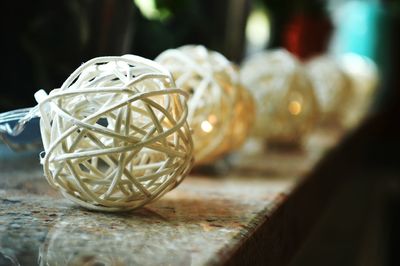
(215, 102)
(286, 107)
(364, 80)
(115, 134)
(243, 120)
(332, 88)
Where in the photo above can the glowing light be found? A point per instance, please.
(213, 119)
(294, 107)
(206, 126)
(258, 29)
(150, 11)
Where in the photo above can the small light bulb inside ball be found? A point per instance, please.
(213, 119)
(206, 126)
(294, 107)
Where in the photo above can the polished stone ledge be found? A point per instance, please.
(202, 222)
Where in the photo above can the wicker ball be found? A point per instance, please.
(332, 88)
(364, 79)
(285, 101)
(115, 134)
(243, 120)
(215, 103)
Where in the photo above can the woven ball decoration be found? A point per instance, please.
(364, 79)
(332, 88)
(213, 84)
(286, 107)
(115, 134)
(243, 120)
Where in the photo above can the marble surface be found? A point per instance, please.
(202, 222)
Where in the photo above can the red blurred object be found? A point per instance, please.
(307, 35)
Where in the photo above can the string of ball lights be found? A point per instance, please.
(122, 131)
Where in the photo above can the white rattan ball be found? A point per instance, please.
(213, 84)
(115, 134)
(286, 107)
(332, 88)
(243, 120)
(364, 81)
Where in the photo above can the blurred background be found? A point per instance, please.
(43, 41)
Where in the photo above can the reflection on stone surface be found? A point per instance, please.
(20, 234)
(96, 240)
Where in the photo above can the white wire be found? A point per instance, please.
(20, 117)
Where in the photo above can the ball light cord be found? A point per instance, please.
(13, 122)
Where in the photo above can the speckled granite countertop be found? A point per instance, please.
(202, 222)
